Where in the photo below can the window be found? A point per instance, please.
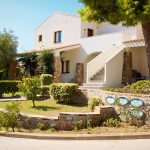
(40, 38)
(58, 37)
(66, 66)
(90, 32)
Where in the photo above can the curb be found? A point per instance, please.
(110, 136)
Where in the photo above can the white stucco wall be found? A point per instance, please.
(69, 25)
(85, 26)
(114, 71)
(101, 43)
(106, 28)
(139, 60)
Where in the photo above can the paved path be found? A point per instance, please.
(30, 144)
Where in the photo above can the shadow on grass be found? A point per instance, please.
(45, 108)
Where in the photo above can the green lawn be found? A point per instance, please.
(48, 107)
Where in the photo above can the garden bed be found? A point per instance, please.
(125, 128)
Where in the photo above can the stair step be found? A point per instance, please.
(93, 85)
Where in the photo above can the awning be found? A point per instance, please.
(135, 43)
(56, 48)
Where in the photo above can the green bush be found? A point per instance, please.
(9, 118)
(113, 89)
(141, 87)
(44, 90)
(92, 102)
(67, 93)
(112, 123)
(8, 86)
(46, 79)
(30, 88)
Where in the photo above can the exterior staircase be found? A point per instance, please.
(96, 78)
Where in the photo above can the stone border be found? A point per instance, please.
(103, 94)
(108, 136)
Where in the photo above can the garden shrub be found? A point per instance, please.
(8, 86)
(10, 118)
(46, 79)
(92, 102)
(44, 90)
(112, 123)
(141, 87)
(67, 93)
(113, 89)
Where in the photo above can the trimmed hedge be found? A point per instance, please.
(45, 90)
(46, 79)
(8, 86)
(141, 87)
(67, 93)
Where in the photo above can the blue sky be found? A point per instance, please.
(23, 16)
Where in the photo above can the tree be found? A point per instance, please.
(8, 49)
(128, 12)
(45, 63)
(30, 88)
(29, 63)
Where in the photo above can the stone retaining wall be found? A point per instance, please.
(104, 94)
(68, 120)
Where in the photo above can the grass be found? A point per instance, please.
(47, 107)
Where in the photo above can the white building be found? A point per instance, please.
(92, 53)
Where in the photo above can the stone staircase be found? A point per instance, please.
(93, 86)
(99, 76)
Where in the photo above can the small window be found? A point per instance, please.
(58, 37)
(40, 38)
(66, 66)
(90, 32)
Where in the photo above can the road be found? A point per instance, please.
(30, 144)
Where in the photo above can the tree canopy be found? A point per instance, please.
(8, 48)
(129, 12)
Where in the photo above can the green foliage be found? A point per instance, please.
(141, 87)
(29, 62)
(41, 126)
(67, 93)
(112, 123)
(8, 49)
(128, 12)
(113, 89)
(77, 125)
(45, 63)
(53, 127)
(45, 90)
(46, 79)
(9, 118)
(93, 102)
(89, 126)
(8, 86)
(30, 88)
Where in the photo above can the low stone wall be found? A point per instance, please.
(104, 94)
(68, 120)
(29, 121)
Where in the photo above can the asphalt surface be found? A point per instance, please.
(7, 143)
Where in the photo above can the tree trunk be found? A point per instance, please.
(146, 32)
(33, 101)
